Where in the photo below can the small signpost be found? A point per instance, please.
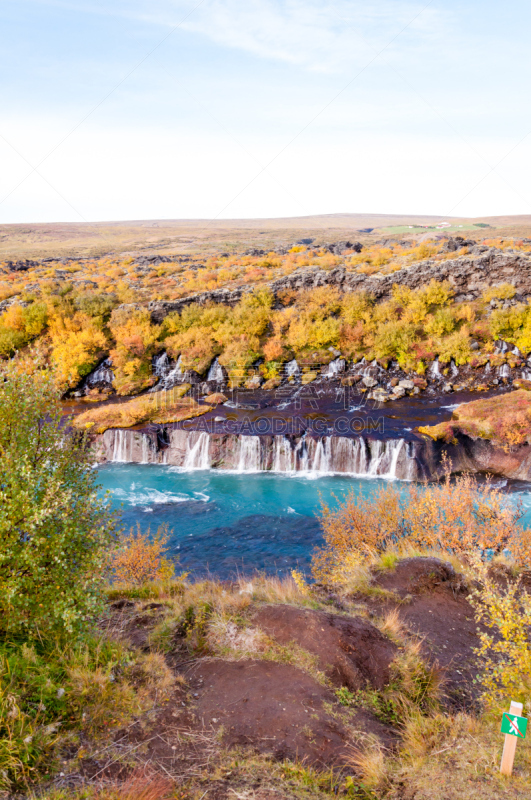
(514, 726)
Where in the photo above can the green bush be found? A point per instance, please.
(48, 690)
(54, 530)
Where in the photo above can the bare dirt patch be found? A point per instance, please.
(350, 650)
(440, 613)
(276, 709)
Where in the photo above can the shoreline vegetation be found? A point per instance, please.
(379, 675)
(89, 311)
(382, 674)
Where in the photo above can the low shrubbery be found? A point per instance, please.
(53, 528)
(504, 420)
(160, 407)
(412, 326)
(456, 517)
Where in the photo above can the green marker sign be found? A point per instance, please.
(513, 725)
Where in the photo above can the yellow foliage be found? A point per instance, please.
(505, 291)
(135, 344)
(78, 343)
(458, 516)
(503, 610)
(140, 558)
(159, 407)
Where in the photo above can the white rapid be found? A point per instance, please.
(194, 450)
(102, 374)
(250, 454)
(216, 373)
(198, 452)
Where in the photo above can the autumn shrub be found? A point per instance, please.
(197, 348)
(96, 304)
(136, 342)
(504, 291)
(54, 529)
(164, 406)
(78, 343)
(140, 558)
(455, 347)
(458, 516)
(509, 323)
(19, 325)
(502, 607)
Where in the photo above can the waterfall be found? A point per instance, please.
(335, 368)
(194, 450)
(216, 373)
(198, 455)
(504, 371)
(161, 365)
(434, 370)
(384, 457)
(168, 376)
(283, 457)
(250, 454)
(119, 451)
(321, 458)
(102, 374)
(292, 369)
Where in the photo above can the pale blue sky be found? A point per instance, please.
(137, 109)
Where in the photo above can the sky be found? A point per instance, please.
(224, 109)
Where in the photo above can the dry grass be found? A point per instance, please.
(370, 764)
(505, 419)
(159, 407)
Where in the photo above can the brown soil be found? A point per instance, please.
(275, 708)
(439, 611)
(351, 651)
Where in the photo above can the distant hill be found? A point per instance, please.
(41, 240)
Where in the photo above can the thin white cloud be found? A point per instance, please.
(321, 36)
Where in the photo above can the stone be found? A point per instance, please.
(448, 387)
(398, 391)
(406, 384)
(369, 382)
(254, 383)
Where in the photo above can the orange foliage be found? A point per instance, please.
(140, 558)
(78, 344)
(458, 516)
(505, 419)
(136, 343)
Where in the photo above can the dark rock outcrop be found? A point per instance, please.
(469, 277)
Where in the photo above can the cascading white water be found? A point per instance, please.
(250, 454)
(357, 456)
(283, 457)
(434, 370)
(292, 369)
(504, 371)
(102, 374)
(335, 368)
(215, 373)
(161, 365)
(198, 454)
(321, 459)
(119, 452)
